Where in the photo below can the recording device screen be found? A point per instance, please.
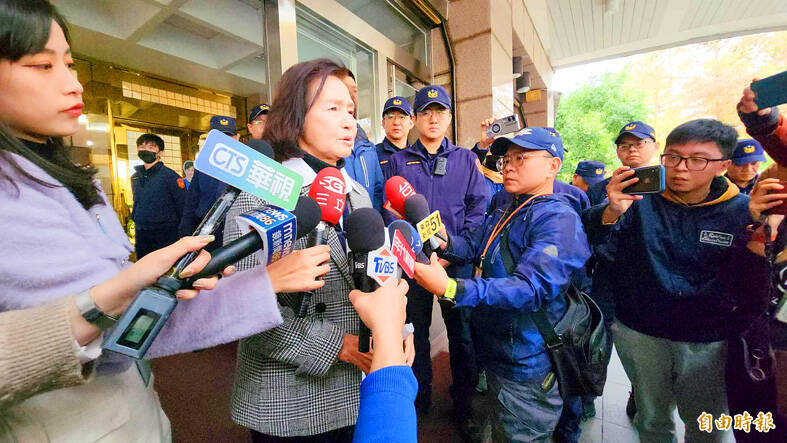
(139, 329)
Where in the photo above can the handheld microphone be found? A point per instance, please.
(416, 209)
(242, 169)
(266, 238)
(330, 193)
(409, 232)
(397, 189)
(218, 146)
(365, 233)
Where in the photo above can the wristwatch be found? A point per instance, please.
(447, 300)
(90, 312)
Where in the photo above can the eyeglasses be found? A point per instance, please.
(516, 160)
(397, 117)
(692, 163)
(258, 122)
(430, 112)
(625, 147)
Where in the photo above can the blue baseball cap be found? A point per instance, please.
(399, 103)
(432, 94)
(223, 124)
(748, 151)
(590, 171)
(534, 139)
(258, 110)
(637, 129)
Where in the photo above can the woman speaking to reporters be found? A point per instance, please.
(60, 236)
(302, 378)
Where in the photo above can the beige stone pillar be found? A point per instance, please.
(480, 31)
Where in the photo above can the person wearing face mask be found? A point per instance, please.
(60, 236)
(159, 194)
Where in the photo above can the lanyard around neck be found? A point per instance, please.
(502, 224)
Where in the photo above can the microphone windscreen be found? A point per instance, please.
(416, 208)
(307, 214)
(261, 146)
(329, 191)
(365, 230)
(408, 231)
(397, 189)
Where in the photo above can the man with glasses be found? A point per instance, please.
(684, 279)
(397, 122)
(636, 146)
(447, 177)
(257, 118)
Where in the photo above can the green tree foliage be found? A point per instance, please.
(589, 118)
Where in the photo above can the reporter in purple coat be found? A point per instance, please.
(60, 236)
(449, 179)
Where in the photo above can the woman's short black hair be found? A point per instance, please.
(703, 131)
(24, 30)
(151, 138)
(292, 101)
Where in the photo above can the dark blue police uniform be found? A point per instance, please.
(461, 195)
(385, 149)
(159, 194)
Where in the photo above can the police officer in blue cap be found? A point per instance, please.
(746, 161)
(446, 175)
(587, 174)
(204, 190)
(636, 147)
(257, 118)
(527, 251)
(159, 193)
(397, 122)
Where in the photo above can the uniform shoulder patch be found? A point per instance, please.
(414, 162)
(181, 183)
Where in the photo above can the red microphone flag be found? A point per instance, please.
(397, 189)
(329, 191)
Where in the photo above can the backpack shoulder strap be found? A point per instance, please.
(540, 319)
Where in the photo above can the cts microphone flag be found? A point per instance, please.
(232, 162)
(330, 192)
(365, 234)
(397, 189)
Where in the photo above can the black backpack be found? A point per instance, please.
(578, 345)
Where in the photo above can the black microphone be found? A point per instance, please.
(215, 216)
(307, 215)
(416, 208)
(365, 233)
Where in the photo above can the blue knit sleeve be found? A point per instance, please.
(387, 411)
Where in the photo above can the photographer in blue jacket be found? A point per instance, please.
(528, 252)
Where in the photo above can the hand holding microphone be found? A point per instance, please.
(330, 193)
(365, 233)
